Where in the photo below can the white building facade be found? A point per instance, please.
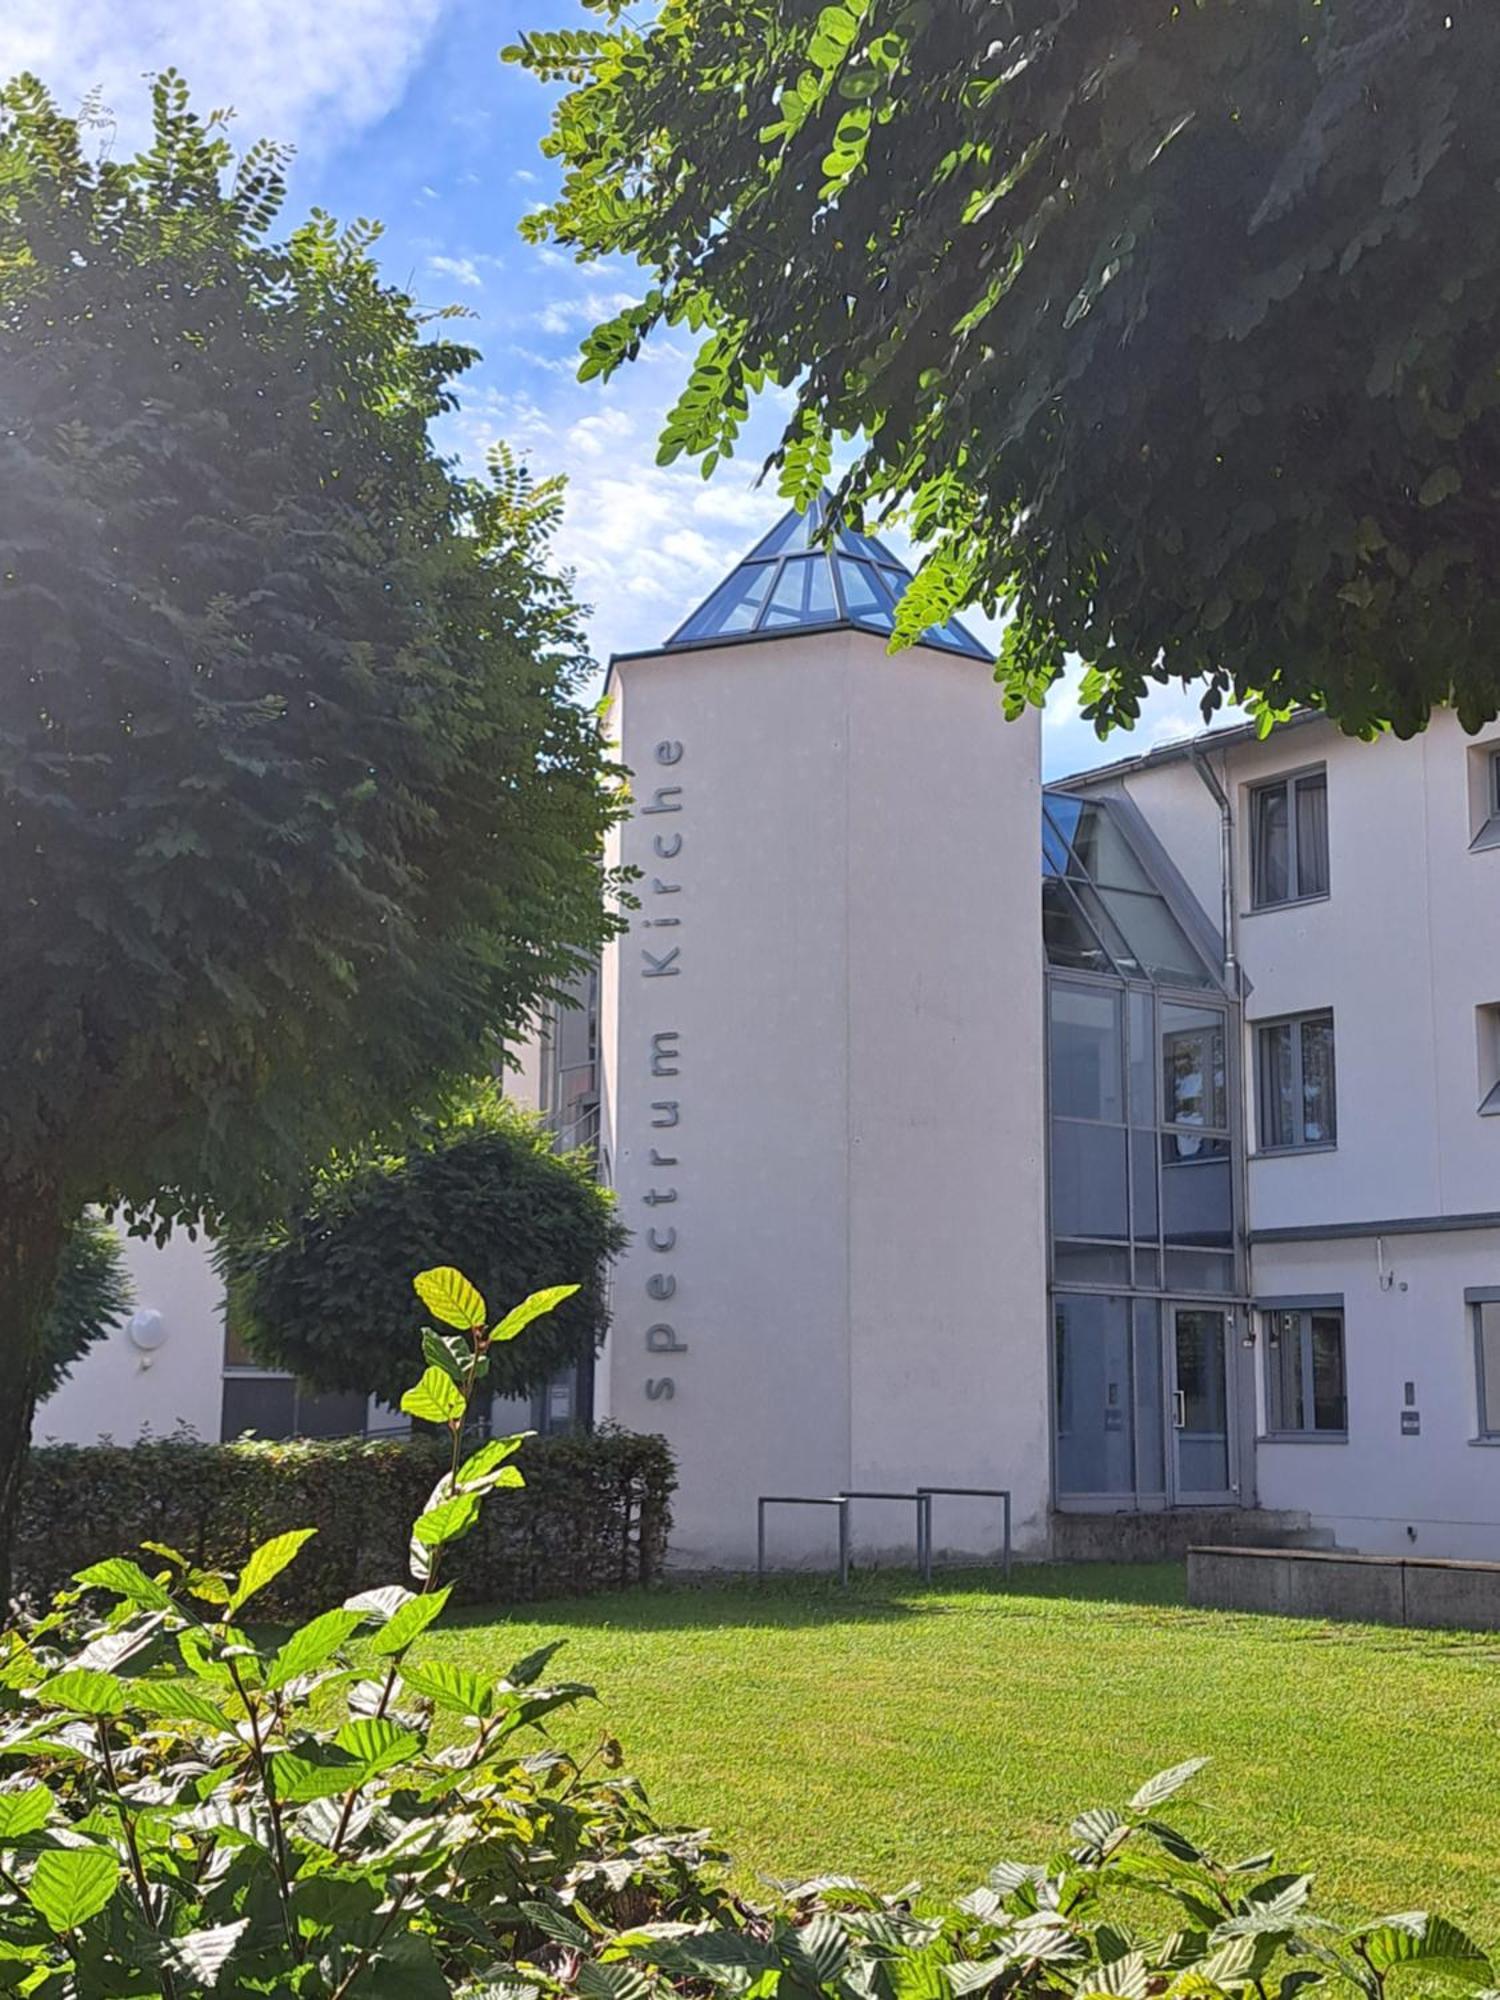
(1133, 1145)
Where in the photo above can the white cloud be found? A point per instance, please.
(462, 270)
(563, 315)
(312, 75)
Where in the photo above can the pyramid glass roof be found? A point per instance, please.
(792, 581)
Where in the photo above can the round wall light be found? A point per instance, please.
(147, 1329)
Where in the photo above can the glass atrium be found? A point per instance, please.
(1142, 1197)
(793, 581)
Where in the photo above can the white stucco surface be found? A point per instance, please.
(120, 1392)
(1404, 948)
(851, 1281)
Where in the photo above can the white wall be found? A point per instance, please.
(1436, 1492)
(116, 1391)
(855, 1288)
(1403, 949)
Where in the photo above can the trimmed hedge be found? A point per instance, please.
(593, 1515)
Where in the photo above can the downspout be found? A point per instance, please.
(1226, 870)
(1248, 1483)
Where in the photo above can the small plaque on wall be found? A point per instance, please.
(1411, 1423)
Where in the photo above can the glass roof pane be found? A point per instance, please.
(803, 594)
(1157, 940)
(792, 531)
(864, 598)
(1066, 937)
(1055, 857)
(734, 606)
(1103, 853)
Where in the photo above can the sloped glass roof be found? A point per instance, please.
(1101, 909)
(792, 582)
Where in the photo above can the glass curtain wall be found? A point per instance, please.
(1141, 1153)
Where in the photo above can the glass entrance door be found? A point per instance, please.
(1202, 1458)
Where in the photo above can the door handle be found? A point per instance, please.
(1179, 1409)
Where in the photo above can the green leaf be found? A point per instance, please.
(1415, 1938)
(449, 1297)
(457, 1689)
(177, 1701)
(520, 1317)
(1438, 485)
(376, 1744)
(411, 1621)
(311, 1646)
(447, 1521)
(203, 1954)
(71, 1884)
(23, 1812)
(125, 1579)
(1165, 1783)
(84, 1691)
(436, 1399)
(489, 1457)
(266, 1564)
(448, 1351)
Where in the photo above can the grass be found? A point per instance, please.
(897, 1732)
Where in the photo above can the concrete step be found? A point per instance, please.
(1167, 1537)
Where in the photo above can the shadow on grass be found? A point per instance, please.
(874, 1597)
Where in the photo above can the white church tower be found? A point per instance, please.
(822, 1064)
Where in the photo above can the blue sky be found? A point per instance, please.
(401, 110)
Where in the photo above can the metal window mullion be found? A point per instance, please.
(1305, 1359)
(765, 604)
(1299, 1098)
(838, 585)
(1486, 1427)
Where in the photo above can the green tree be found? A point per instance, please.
(485, 1181)
(299, 809)
(1175, 326)
(92, 1294)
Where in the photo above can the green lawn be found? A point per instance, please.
(898, 1732)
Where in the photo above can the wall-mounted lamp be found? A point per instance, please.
(147, 1329)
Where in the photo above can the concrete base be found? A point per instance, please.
(1373, 1590)
(1167, 1536)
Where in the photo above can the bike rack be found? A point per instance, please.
(839, 1500)
(924, 1521)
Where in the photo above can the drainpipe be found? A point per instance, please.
(1226, 868)
(1249, 1494)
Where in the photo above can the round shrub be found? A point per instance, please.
(327, 1292)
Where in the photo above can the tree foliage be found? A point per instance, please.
(92, 1295)
(300, 812)
(1174, 327)
(486, 1183)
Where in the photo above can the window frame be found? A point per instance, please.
(1305, 1307)
(1476, 1298)
(1288, 782)
(1302, 1144)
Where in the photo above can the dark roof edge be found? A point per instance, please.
(978, 658)
(1187, 746)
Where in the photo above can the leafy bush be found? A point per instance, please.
(1132, 1908)
(485, 1181)
(593, 1515)
(192, 1809)
(319, 1814)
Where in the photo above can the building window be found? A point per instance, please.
(1194, 1086)
(1485, 1306)
(1487, 1036)
(1295, 1083)
(1305, 1370)
(1289, 840)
